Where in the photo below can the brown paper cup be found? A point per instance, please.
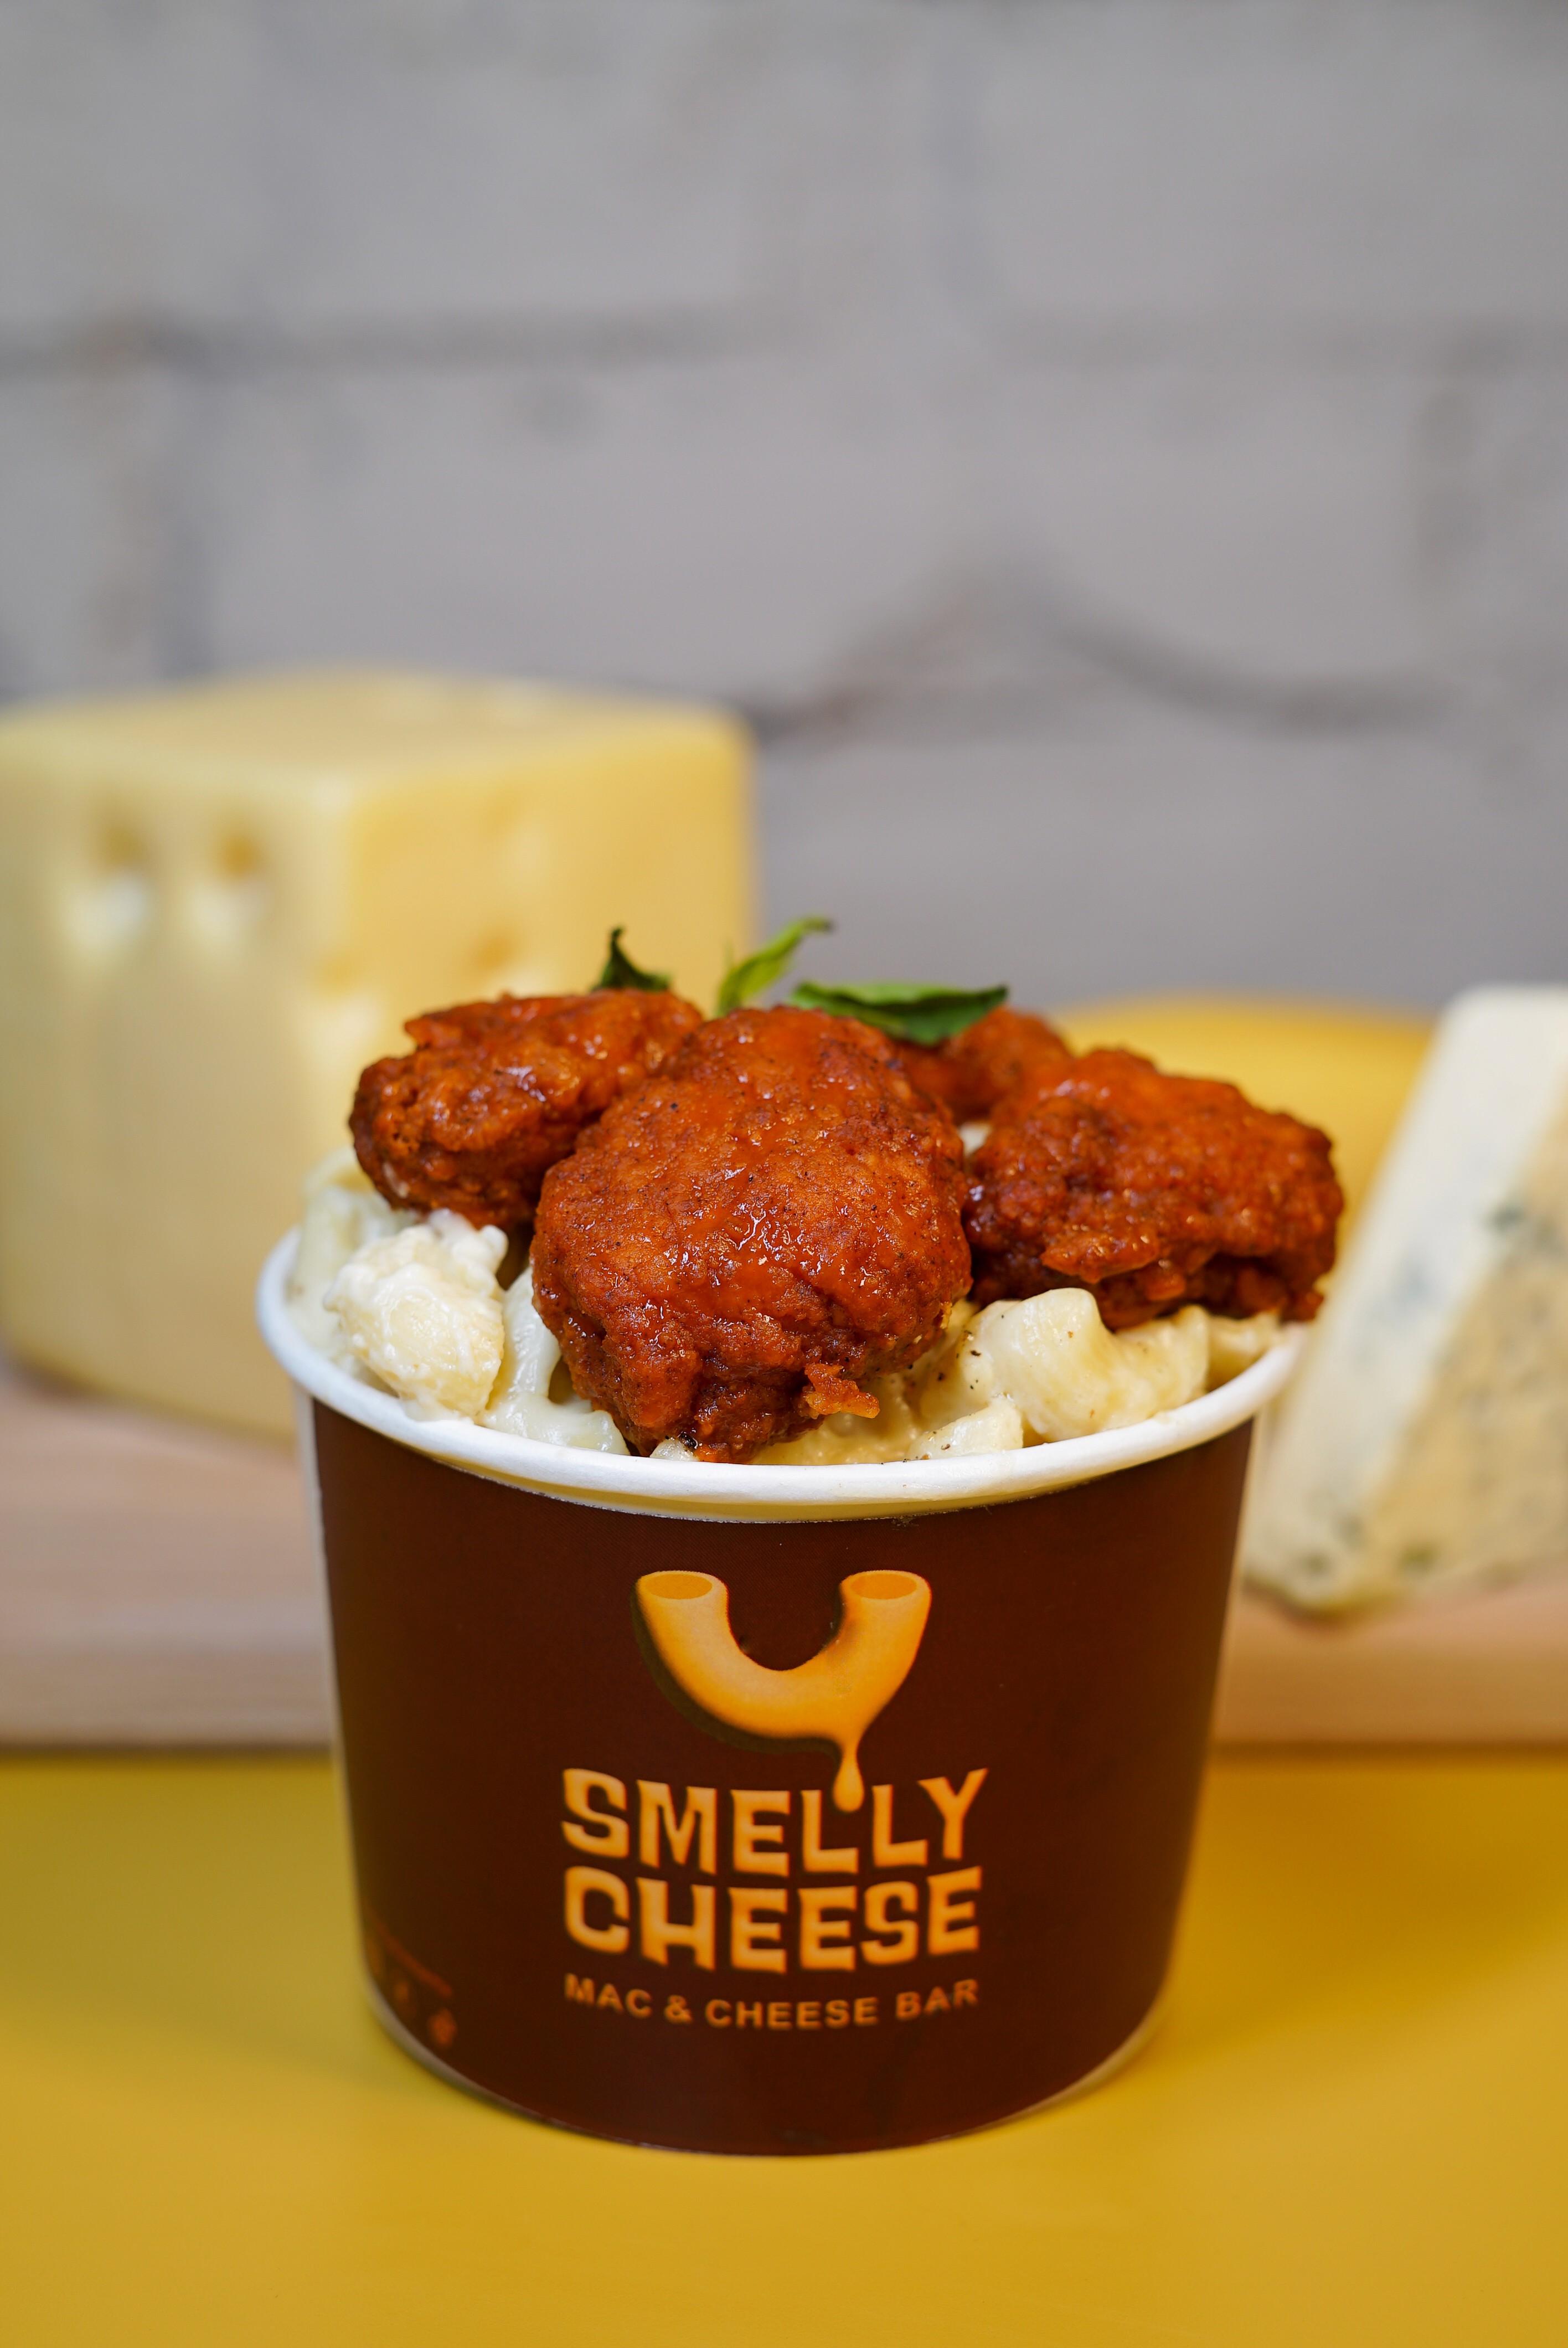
(852, 1811)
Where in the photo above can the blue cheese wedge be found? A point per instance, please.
(1425, 1440)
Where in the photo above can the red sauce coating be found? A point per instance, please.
(1152, 1190)
(494, 1093)
(972, 1071)
(745, 1239)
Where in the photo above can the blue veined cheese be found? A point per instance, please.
(1425, 1440)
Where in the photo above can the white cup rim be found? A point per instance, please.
(711, 1491)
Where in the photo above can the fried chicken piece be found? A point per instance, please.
(970, 1073)
(774, 1218)
(1152, 1190)
(493, 1093)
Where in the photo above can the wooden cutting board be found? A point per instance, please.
(156, 1581)
(157, 1584)
(158, 1587)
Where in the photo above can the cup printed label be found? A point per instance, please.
(635, 1888)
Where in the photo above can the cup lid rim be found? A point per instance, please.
(712, 1489)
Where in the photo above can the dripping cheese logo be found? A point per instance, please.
(837, 1695)
(908, 1893)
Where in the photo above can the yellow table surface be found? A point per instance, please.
(1353, 2126)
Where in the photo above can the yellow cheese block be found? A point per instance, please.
(217, 904)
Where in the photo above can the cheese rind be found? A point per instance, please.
(217, 904)
(1426, 1439)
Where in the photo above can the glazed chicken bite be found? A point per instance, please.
(493, 1093)
(739, 1243)
(970, 1073)
(1152, 1190)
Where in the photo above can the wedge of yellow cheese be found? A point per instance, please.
(218, 903)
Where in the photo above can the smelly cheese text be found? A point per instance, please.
(640, 1890)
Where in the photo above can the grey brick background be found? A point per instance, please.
(1117, 451)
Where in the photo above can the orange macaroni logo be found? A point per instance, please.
(837, 1695)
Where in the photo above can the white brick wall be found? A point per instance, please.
(732, 521)
(87, 515)
(1133, 849)
(1371, 164)
(1118, 447)
(1248, 515)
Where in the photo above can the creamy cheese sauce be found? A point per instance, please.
(414, 1305)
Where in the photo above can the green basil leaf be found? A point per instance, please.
(620, 970)
(915, 1015)
(744, 979)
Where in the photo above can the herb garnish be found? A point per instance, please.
(620, 970)
(914, 1014)
(744, 979)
